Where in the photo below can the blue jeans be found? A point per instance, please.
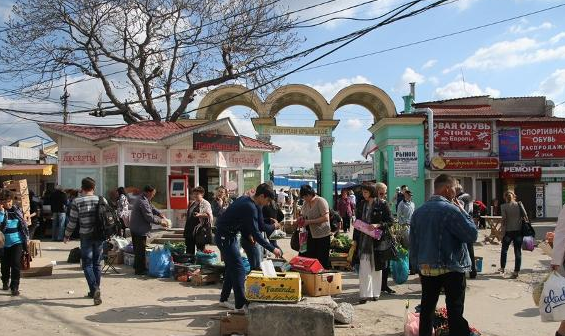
(234, 277)
(58, 226)
(514, 237)
(91, 254)
(253, 252)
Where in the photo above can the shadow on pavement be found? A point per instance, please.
(529, 312)
(52, 302)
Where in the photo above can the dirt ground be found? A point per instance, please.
(139, 305)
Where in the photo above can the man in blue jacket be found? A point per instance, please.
(439, 232)
(243, 216)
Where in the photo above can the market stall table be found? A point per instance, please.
(495, 225)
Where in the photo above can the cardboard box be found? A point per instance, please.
(234, 324)
(286, 287)
(39, 267)
(118, 255)
(321, 284)
(368, 229)
(204, 279)
(307, 265)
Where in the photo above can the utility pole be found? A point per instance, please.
(65, 101)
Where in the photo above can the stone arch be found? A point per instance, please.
(369, 96)
(297, 94)
(226, 92)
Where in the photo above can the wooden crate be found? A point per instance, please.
(340, 263)
(17, 186)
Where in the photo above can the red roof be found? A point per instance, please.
(145, 130)
(257, 144)
(464, 111)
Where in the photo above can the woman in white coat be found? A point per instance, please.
(559, 255)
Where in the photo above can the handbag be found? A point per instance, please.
(526, 227)
(26, 261)
(295, 240)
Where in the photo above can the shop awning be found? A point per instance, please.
(37, 169)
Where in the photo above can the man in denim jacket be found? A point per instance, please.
(439, 233)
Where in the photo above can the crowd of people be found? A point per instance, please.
(441, 235)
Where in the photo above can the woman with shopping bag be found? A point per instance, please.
(557, 262)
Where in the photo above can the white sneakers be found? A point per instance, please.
(227, 305)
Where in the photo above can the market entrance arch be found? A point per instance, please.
(374, 99)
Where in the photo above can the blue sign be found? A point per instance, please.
(509, 144)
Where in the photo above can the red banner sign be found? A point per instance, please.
(539, 142)
(484, 163)
(215, 142)
(461, 135)
(520, 172)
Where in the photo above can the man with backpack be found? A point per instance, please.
(94, 217)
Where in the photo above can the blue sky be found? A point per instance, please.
(522, 57)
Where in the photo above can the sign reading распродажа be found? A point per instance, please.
(215, 142)
(538, 142)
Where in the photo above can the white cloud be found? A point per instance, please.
(354, 124)
(242, 125)
(434, 80)
(464, 4)
(429, 64)
(555, 39)
(552, 86)
(559, 111)
(330, 89)
(522, 27)
(295, 151)
(409, 76)
(458, 89)
(510, 54)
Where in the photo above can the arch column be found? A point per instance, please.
(266, 157)
(326, 148)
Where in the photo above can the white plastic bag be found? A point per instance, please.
(268, 268)
(277, 234)
(552, 302)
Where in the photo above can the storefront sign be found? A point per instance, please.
(243, 160)
(520, 172)
(110, 156)
(140, 155)
(461, 135)
(464, 163)
(215, 142)
(284, 130)
(79, 158)
(509, 144)
(192, 158)
(542, 142)
(405, 161)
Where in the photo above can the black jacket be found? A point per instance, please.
(58, 201)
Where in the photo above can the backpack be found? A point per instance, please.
(74, 256)
(106, 220)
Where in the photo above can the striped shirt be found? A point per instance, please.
(84, 210)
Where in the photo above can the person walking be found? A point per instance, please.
(123, 210)
(84, 214)
(15, 231)
(558, 257)
(346, 209)
(58, 206)
(199, 213)
(512, 213)
(466, 201)
(367, 256)
(143, 214)
(316, 218)
(242, 216)
(439, 232)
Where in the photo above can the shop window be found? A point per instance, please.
(71, 177)
(251, 179)
(110, 177)
(136, 177)
(230, 180)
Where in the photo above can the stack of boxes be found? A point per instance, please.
(19, 187)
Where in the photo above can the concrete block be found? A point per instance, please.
(344, 313)
(290, 319)
(320, 301)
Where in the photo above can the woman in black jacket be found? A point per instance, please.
(372, 255)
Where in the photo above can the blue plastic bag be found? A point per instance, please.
(160, 263)
(246, 265)
(400, 268)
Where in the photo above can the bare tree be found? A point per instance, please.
(161, 49)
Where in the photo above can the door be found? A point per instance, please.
(553, 199)
(526, 192)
